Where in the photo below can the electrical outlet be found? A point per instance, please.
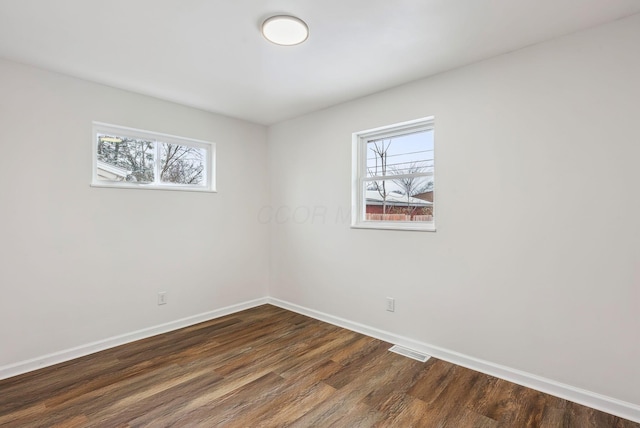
(391, 304)
(162, 298)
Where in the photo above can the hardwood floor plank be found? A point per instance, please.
(403, 410)
(553, 418)
(13, 418)
(402, 376)
(497, 401)
(433, 379)
(237, 402)
(315, 351)
(289, 405)
(74, 422)
(269, 367)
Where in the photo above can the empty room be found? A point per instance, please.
(362, 213)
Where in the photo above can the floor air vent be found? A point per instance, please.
(409, 353)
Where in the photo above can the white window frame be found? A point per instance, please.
(209, 173)
(359, 175)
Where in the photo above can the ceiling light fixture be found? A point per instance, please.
(285, 30)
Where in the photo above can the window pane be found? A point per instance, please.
(182, 164)
(125, 159)
(402, 154)
(402, 199)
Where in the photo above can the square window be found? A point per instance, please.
(393, 177)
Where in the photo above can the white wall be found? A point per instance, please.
(536, 261)
(81, 264)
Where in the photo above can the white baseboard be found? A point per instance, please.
(597, 401)
(90, 348)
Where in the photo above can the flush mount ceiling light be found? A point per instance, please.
(285, 30)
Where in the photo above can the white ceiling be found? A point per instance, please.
(210, 53)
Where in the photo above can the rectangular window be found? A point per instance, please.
(393, 177)
(132, 158)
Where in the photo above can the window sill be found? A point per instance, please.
(152, 187)
(405, 226)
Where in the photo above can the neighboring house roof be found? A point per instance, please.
(111, 172)
(425, 196)
(373, 198)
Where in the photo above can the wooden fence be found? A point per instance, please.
(397, 217)
(427, 217)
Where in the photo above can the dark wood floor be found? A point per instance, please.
(267, 367)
